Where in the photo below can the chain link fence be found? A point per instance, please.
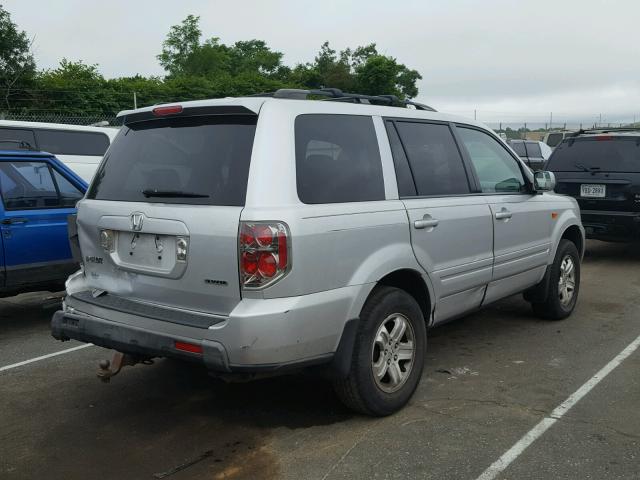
(95, 120)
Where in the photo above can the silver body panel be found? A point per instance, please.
(338, 251)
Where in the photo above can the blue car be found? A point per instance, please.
(38, 194)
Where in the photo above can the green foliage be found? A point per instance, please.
(16, 61)
(181, 42)
(195, 69)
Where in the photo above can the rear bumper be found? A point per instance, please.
(611, 225)
(259, 335)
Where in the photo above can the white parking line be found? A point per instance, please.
(532, 435)
(44, 357)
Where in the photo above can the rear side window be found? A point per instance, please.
(200, 160)
(518, 147)
(554, 139)
(605, 153)
(533, 150)
(497, 170)
(434, 158)
(62, 142)
(337, 159)
(16, 139)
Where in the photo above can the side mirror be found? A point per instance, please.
(544, 181)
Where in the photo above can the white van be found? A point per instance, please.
(80, 148)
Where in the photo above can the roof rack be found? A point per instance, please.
(337, 95)
(606, 130)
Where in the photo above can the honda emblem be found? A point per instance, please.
(137, 219)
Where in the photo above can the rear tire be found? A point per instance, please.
(388, 354)
(564, 284)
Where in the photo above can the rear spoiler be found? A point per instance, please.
(127, 118)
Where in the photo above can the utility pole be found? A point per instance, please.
(135, 101)
(550, 120)
(475, 114)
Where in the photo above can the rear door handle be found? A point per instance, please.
(426, 222)
(503, 214)
(14, 220)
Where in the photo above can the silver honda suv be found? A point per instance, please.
(261, 235)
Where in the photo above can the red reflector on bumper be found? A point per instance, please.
(188, 347)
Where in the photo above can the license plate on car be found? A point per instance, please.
(593, 191)
(147, 250)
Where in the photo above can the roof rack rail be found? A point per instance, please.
(606, 130)
(337, 95)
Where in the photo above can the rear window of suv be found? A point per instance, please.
(603, 153)
(201, 160)
(337, 159)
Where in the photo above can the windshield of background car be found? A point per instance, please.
(602, 152)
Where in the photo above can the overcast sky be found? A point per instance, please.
(509, 60)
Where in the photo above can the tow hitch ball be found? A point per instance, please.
(108, 369)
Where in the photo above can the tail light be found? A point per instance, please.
(263, 252)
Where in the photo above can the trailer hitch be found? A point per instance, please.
(108, 369)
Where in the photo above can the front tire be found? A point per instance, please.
(564, 284)
(388, 354)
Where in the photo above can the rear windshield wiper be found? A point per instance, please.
(586, 169)
(172, 194)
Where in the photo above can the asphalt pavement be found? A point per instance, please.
(489, 379)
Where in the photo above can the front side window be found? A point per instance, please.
(498, 172)
(337, 159)
(435, 160)
(62, 142)
(69, 193)
(27, 185)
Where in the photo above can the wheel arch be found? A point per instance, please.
(415, 285)
(574, 234)
(412, 281)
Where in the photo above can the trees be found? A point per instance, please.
(16, 61)
(181, 42)
(252, 63)
(195, 68)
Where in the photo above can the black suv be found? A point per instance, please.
(601, 169)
